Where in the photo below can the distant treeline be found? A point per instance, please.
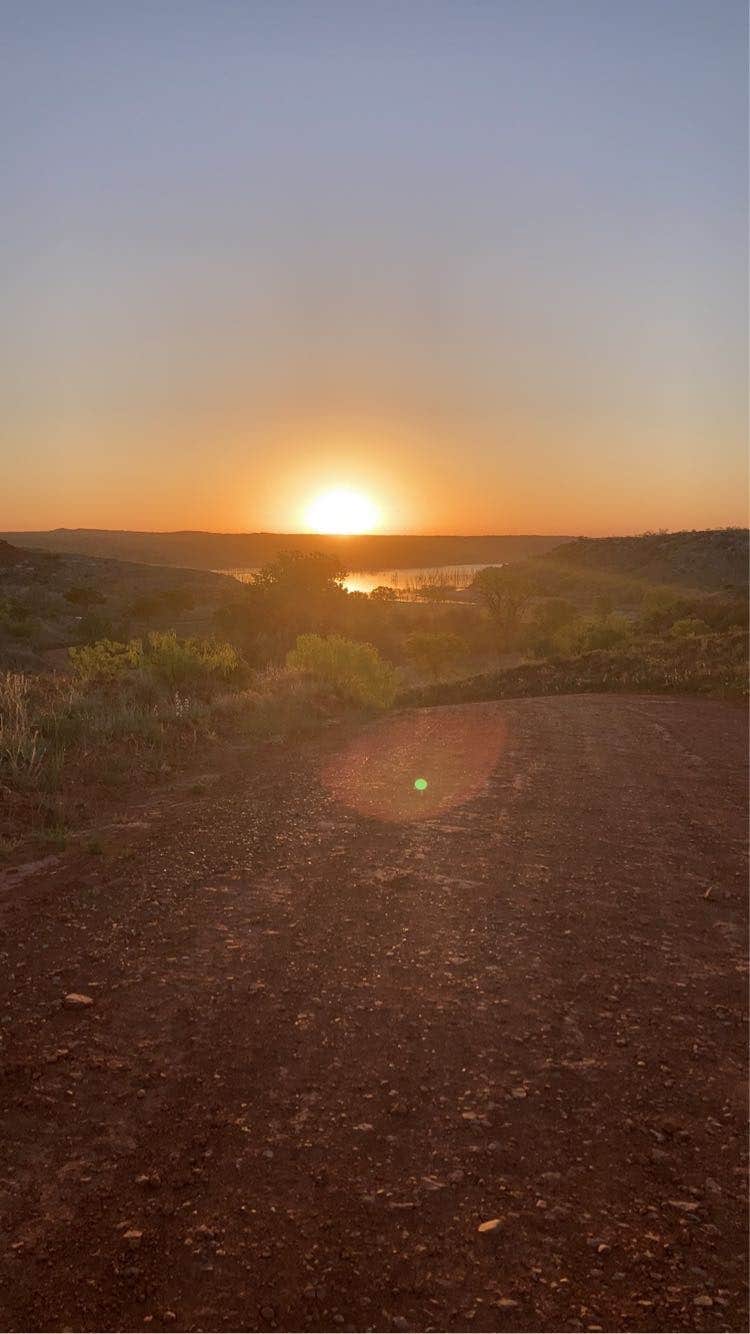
(220, 551)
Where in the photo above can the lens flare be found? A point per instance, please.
(458, 746)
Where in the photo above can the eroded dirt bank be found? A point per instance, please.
(329, 1039)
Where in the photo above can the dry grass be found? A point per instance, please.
(66, 745)
(21, 747)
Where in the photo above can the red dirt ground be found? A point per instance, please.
(334, 1030)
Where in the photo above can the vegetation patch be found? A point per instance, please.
(705, 665)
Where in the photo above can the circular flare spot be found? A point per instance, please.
(420, 784)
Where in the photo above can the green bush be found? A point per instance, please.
(162, 658)
(105, 660)
(180, 662)
(689, 626)
(354, 671)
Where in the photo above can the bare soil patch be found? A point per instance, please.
(326, 1046)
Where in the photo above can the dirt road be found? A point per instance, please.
(338, 1023)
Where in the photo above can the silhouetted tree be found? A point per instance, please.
(505, 593)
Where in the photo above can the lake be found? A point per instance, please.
(407, 581)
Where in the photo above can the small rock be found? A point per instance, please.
(685, 1206)
(492, 1225)
(505, 1303)
(75, 1000)
(267, 1312)
(705, 1300)
(149, 1180)
(133, 1236)
(518, 1092)
(400, 1323)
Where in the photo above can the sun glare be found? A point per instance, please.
(342, 511)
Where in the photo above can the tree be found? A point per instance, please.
(301, 573)
(434, 651)
(505, 592)
(296, 593)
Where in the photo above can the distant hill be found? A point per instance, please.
(49, 600)
(711, 558)
(222, 551)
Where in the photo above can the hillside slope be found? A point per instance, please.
(220, 551)
(707, 558)
(50, 600)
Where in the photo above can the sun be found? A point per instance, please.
(343, 511)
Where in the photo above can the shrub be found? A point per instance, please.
(661, 607)
(180, 662)
(689, 626)
(93, 626)
(162, 658)
(354, 671)
(105, 660)
(434, 651)
(588, 634)
(80, 596)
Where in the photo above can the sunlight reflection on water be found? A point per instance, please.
(404, 581)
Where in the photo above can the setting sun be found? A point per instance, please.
(342, 511)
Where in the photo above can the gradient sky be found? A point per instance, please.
(486, 261)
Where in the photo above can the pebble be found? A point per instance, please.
(492, 1225)
(75, 1000)
(705, 1300)
(267, 1312)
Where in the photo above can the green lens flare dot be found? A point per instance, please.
(420, 784)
